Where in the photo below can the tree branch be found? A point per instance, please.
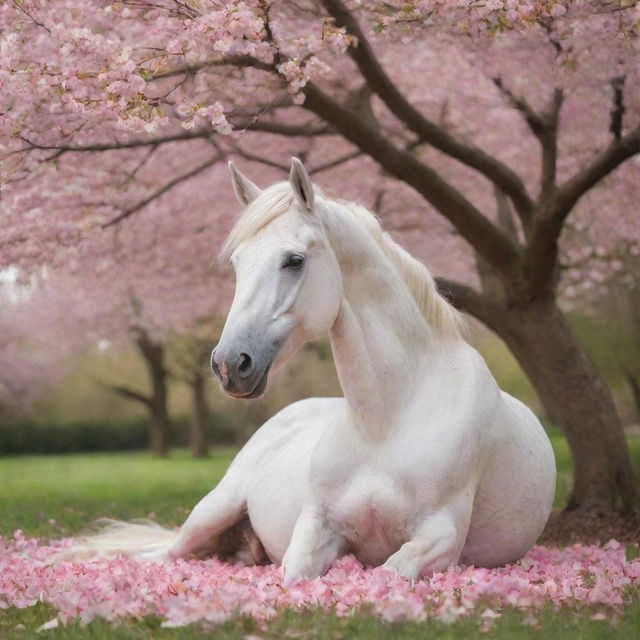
(488, 240)
(230, 61)
(150, 142)
(540, 260)
(544, 126)
(158, 192)
(531, 117)
(128, 393)
(285, 167)
(468, 300)
(601, 166)
(618, 108)
(504, 215)
(549, 141)
(20, 7)
(429, 132)
(331, 164)
(305, 130)
(253, 157)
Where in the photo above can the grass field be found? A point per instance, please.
(55, 496)
(59, 495)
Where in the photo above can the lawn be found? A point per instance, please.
(55, 496)
(61, 494)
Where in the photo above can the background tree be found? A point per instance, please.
(29, 326)
(190, 356)
(505, 119)
(155, 401)
(26, 370)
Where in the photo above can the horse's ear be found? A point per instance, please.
(245, 190)
(301, 185)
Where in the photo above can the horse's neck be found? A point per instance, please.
(381, 342)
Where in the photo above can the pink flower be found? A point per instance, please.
(184, 591)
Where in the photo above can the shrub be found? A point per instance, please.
(34, 437)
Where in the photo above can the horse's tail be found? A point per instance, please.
(142, 539)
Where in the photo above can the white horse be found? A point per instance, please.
(423, 464)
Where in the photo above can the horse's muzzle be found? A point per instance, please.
(238, 374)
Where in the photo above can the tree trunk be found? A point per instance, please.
(199, 413)
(158, 432)
(576, 396)
(159, 423)
(634, 386)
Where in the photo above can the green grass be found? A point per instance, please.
(74, 490)
(564, 465)
(550, 625)
(60, 495)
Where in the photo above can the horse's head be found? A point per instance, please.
(288, 281)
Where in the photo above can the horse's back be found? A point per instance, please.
(282, 431)
(515, 494)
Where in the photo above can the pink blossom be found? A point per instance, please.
(84, 73)
(185, 591)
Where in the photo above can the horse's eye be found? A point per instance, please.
(294, 261)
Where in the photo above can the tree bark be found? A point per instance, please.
(199, 413)
(159, 432)
(159, 423)
(576, 397)
(634, 387)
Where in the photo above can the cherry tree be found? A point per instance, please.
(25, 371)
(189, 357)
(480, 131)
(124, 291)
(29, 366)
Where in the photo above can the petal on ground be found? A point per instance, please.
(184, 591)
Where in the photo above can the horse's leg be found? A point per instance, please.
(436, 546)
(313, 548)
(219, 510)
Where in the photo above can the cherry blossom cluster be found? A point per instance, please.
(82, 73)
(78, 65)
(489, 17)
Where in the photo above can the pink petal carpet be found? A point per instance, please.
(185, 591)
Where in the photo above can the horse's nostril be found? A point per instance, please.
(214, 365)
(244, 363)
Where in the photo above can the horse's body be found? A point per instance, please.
(424, 463)
(372, 498)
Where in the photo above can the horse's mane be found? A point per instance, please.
(277, 199)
